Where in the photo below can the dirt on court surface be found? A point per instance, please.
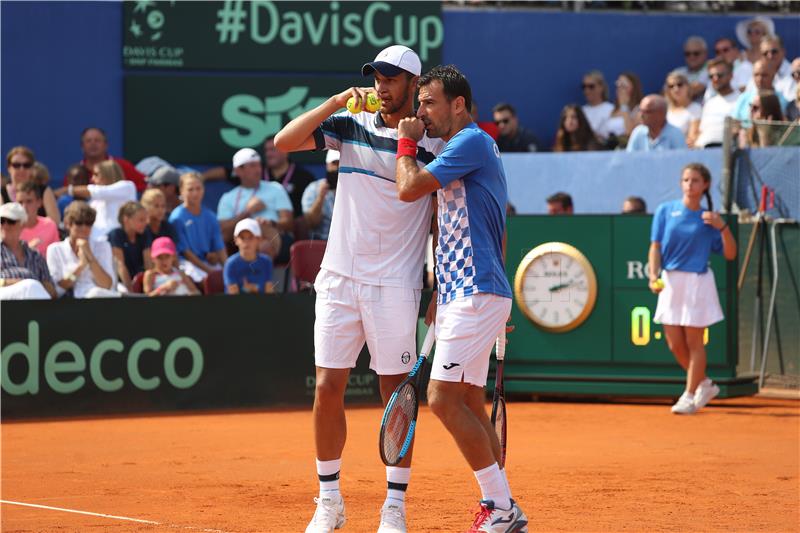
(573, 467)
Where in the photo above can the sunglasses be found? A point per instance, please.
(693, 53)
(21, 165)
(721, 51)
(10, 221)
(716, 75)
(502, 121)
(589, 85)
(753, 31)
(770, 52)
(796, 74)
(676, 84)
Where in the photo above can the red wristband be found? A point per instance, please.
(406, 146)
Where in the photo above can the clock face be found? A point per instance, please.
(556, 287)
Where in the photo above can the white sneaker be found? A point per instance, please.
(328, 516)
(684, 405)
(493, 520)
(706, 391)
(393, 519)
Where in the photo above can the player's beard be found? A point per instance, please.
(397, 105)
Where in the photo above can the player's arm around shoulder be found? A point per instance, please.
(412, 182)
(298, 134)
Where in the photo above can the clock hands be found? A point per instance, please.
(560, 286)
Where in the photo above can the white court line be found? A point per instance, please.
(114, 517)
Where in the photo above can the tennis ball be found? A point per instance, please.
(352, 106)
(659, 283)
(373, 103)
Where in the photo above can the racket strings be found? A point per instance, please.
(398, 422)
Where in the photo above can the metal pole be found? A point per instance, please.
(772, 304)
(727, 163)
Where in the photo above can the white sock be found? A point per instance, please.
(505, 478)
(328, 472)
(397, 482)
(493, 486)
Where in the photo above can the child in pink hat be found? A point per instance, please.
(165, 279)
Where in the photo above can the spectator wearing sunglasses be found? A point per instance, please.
(695, 54)
(774, 53)
(511, 136)
(681, 111)
(23, 272)
(107, 193)
(38, 231)
(20, 162)
(763, 76)
(764, 109)
(750, 33)
(597, 108)
(725, 48)
(80, 266)
(712, 120)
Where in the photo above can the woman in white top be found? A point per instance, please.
(625, 115)
(108, 191)
(597, 108)
(681, 111)
(78, 263)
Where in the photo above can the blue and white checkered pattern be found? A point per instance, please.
(455, 271)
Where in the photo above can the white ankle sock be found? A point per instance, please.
(328, 472)
(397, 481)
(493, 486)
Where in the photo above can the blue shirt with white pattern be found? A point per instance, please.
(471, 216)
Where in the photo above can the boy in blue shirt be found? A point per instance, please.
(248, 271)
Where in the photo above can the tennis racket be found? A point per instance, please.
(499, 420)
(400, 415)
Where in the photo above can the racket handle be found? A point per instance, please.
(500, 345)
(427, 344)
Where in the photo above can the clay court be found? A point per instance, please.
(574, 467)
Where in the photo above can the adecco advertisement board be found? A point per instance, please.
(276, 36)
(80, 357)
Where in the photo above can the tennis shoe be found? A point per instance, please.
(328, 516)
(685, 405)
(706, 391)
(393, 519)
(490, 519)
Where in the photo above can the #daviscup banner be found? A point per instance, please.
(283, 36)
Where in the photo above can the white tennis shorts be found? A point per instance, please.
(349, 313)
(688, 299)
(466, 331)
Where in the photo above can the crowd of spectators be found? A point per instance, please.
(689, 110)
(143, 229)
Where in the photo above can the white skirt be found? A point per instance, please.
(688, 299)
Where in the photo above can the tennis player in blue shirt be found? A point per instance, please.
(683, 236)
(474, 296)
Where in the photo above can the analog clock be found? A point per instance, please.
(555, 286)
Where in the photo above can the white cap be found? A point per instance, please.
(332, 156)
(244, 156)
(247, 224)
(393, 60)
(14, 211)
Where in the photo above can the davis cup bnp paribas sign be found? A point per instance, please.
(276, 36)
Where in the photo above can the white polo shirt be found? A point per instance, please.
(375, 238)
